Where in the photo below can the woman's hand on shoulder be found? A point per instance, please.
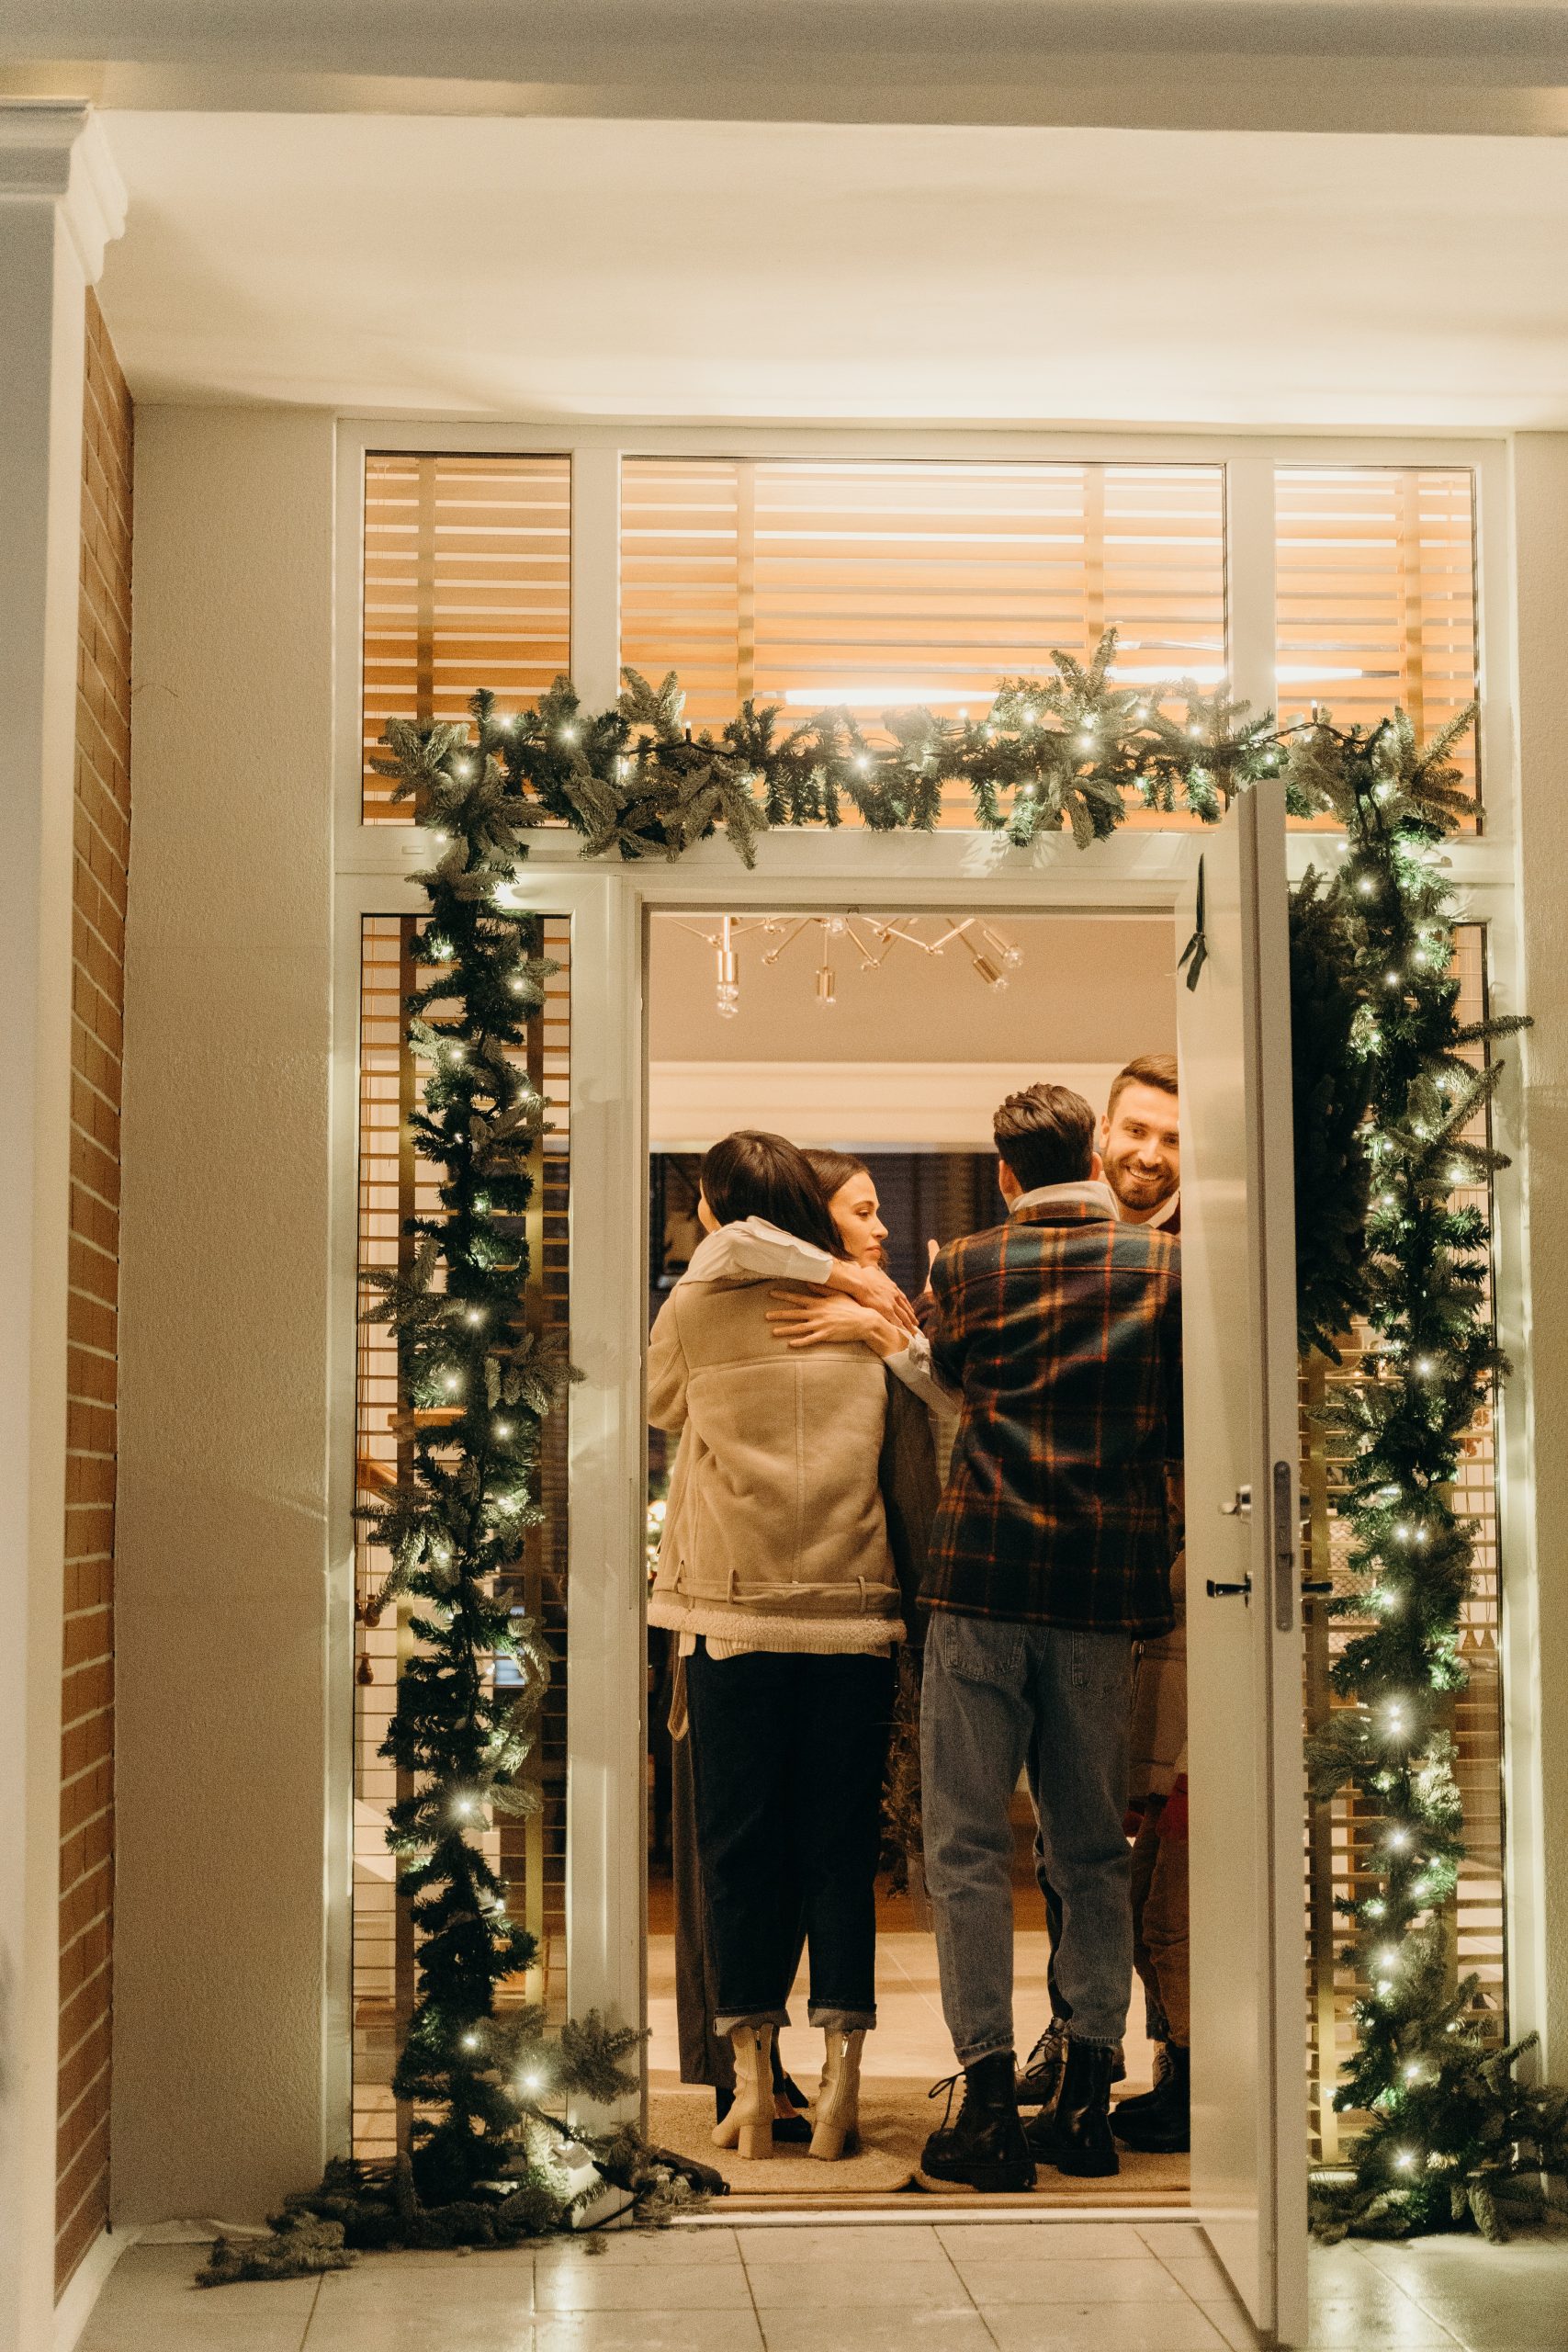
(874, 1287)
(809, 1321)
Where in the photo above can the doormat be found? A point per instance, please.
(896, 2116)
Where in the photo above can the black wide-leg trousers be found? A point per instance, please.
(787, 1758)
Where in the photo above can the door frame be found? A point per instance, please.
(1137, 871)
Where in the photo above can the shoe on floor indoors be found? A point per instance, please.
(1159, 2123)
(986, 2147)
(1041, 2074)
(1075, 2135)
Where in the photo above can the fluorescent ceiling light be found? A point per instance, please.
(857, 695)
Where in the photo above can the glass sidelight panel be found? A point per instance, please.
(1339, 1835)
(394, 1184)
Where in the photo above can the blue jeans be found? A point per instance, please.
(998, 1698)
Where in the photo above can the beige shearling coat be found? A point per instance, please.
(774, 1524)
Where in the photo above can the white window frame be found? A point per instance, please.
(609, 904)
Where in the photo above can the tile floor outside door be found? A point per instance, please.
(1035, 2286)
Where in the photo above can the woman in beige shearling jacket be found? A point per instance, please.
(775, 1571)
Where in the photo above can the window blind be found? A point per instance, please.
(1375, 593)
(874, 585)
(466, 583)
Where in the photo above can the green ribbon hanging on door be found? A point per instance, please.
(1197, 947)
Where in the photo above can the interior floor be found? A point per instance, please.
(908, 2054)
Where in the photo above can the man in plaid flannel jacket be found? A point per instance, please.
(1050, 1557)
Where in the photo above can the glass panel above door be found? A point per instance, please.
(467, 583)
(872, 583)
(1375, 593)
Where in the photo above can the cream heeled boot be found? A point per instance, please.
(749, 2126)
(838, 2095)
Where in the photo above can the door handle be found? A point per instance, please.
(1284, 1549)
(1239, 1505)
(1224, 1591)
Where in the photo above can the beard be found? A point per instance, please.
(1139, 1188)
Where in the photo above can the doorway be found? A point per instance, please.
(891, 1035)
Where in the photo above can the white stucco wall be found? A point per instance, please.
(221, 1604)
(1538, 1697)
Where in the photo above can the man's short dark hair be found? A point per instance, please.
(1046, 1136)
(752, 1174)
(1148, 1070)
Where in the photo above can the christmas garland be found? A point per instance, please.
(1384, 1095)
(1454, 2136)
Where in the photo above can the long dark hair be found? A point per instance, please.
(833, 1170)
(754, 1174)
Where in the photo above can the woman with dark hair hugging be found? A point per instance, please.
(774, 1573)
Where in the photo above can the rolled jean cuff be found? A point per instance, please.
(833, 2020)
(732, 2020)
(971, 2054)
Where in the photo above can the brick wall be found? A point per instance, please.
(102, 849)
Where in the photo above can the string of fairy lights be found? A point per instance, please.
(1450, 2131)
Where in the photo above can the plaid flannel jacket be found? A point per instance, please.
(1063, 1329)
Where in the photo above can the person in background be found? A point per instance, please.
(1140, 1143)
(774, 1574)
(1158, 2121)
(1140, 1148)
(1050, 1557)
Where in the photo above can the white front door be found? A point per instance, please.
(1243, 1576)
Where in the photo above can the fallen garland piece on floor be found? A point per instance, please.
(364, 2209)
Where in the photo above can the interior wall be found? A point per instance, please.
(224, 1707)
(101, 852)
(914, 1054)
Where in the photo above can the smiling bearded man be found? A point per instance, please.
(1140, 1143)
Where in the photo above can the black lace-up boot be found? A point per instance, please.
(1040, 2077)
(1127, 2109)
(985, 2148)
(1161, 2124)
(1075, 2135)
